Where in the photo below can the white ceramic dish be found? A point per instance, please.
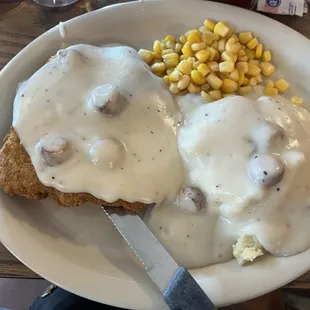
(79, 249)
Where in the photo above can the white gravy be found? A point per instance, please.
(131, 155)
(219, 143)
(97, 120)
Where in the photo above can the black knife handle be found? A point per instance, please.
(184, 293)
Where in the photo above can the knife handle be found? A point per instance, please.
(184, 293)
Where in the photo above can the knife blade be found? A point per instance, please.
(179, 289)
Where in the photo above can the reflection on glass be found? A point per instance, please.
(55, 3)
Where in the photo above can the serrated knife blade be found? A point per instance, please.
(179, 289)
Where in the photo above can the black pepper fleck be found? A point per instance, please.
(130, 95)
(84, 113)
(160, 150)
(265, 173)
(160, 228)
(187, 236)
(53, 178)
(158, 111)
(23, 95)
(278, 189)
(258, 220)
(152, 132)
(206, 114)
(134, 154)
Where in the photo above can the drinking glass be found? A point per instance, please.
(55, 3)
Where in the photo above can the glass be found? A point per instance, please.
(55, 3)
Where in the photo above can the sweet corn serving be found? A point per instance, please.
(215, 62)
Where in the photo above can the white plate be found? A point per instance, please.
(79, 249)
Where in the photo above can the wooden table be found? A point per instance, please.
(23, 21)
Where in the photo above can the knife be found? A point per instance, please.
(179, 289)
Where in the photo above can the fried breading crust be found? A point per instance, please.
(18, 177)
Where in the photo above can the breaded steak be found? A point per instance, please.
(18, 177)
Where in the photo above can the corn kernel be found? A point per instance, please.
(227, 66)
(202, 55)
(266, 56)
(221, 29)
(233, 47)
(157, 47)
(245, 37)
(203, 29)
(250, 53)
(167, 51)
(212, 53)
(253, 70)
(170, 44)
(183, 83)
(205, 87)
(228, 94)
(166, 80)
(254, 62)
(196, 64)
(269, 83)
(228, 56)
(242, 66)
(193, 38)
(259, 50)
(241, 78)
(232, 39)
(178, 48)
(281, 85)
(186, 50)
(169, 37)
(252, 44)
(198, 46)
(182, 57)
(217, 56)
(175, 76)
(267, 68)
(213, 66)
(189, 32)
(174, 88)
(259, 79)
(169, 71)
(184, 67)
(206, 97)
(170, 56)
(215, 94)
(209, 37)
(241, 52)
(209, 24)
(234, 75)
(297, 100)
(192, 88)
(197, 78)
(245, 90)
(191, 60)
(214, 81)
(170, 63)
(215, 45)
(270, 91)
(183, 39)
(221, 45)
(245, 81)
(243, 58)
(157, 67)
(203, 69)
(252, 81)
(230, 32)
(147, 56)
(229, 86)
